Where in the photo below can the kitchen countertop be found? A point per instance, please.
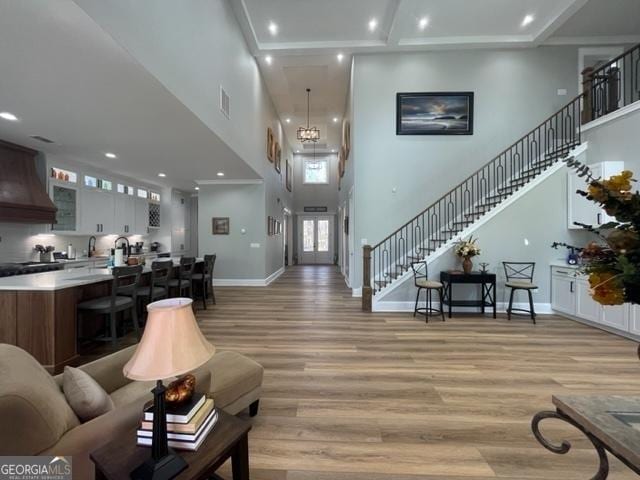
(563, 263)
(61, 279)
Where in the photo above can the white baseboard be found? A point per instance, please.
(247, 282)
(501, 307)
(274, 276)
(356, 292)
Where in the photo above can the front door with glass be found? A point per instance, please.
(316, 234)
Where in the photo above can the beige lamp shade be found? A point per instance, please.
(172, 343)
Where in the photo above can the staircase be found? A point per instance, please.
(434, 230)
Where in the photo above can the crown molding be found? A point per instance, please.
(248, 181)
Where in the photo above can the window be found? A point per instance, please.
(125, 189)
(316, 171)
(64, 175)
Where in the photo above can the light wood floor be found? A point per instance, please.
(354, 396)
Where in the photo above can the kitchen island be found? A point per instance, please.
(38, 311)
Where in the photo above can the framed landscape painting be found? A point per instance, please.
(437, 113)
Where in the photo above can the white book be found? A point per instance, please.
(182, 445)
(185, 437)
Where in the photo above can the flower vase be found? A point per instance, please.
(467, 265)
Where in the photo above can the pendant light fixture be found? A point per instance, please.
(308, 133)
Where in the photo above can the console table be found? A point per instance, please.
(611, 423)
(487, 282)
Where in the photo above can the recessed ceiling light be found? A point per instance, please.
(162, 175)
(527, 20)
(340, 57)
(220, 174)
(288, 120)
(273, 28)
(336, 119)
(373, 24)
(297, 151)
(8, 116)
(422, 24)
(110, 155)
(268, 59)
(333, 151)
(197, 188)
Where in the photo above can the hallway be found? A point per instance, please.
(355, 396)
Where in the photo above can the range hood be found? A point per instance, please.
(23, 197)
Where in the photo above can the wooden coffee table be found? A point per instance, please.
(228, 439)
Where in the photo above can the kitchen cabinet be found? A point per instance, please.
(582, 210)
(141, 216)
(98, 212)
(634, 319)
(180, 223)
(563, 293)
(586, 307)
(570, 296)
(124, 214)
(65, 198)
(615, 316)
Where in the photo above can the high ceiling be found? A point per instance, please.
(69, 81)
(297, 41)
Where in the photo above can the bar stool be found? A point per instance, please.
(520, 277)
(158, 287)
(183, 282)
(123, 297)
(422, 282)
(205, 279)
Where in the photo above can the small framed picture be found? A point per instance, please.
(220, 225)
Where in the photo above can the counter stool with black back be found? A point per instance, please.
(422, 282)
(124, 287)
(204, 280)
(183, 283)
(158, 287)
(520, 277)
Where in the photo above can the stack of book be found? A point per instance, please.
(188, 424)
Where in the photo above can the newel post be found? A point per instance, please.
(367, 292)
(587, 90)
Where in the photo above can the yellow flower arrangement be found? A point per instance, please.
(606, 288)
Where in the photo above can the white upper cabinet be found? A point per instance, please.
(125, 214)
(582, 210)
(98, 212)
(141, 217)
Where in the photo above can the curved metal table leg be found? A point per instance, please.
(565, 446)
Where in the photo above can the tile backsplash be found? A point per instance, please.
(17, 242)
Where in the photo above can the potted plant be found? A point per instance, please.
(467, 249)
(613, 263)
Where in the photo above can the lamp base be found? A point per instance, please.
(164, 469)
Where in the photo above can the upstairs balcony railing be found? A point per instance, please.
(611, 86)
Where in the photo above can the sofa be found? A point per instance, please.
(35, 418)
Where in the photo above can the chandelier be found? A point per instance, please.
(308, 134)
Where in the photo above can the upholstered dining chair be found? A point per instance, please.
(422, 282)
(204, 280)
(183, 283)
(158, 287)
(519, 276)
(124, 288)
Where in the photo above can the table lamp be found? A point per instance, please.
(172, 344)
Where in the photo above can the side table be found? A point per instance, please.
(487, 282)
(228, 439)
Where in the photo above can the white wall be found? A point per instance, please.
(193, 47)
(616, 140)
(515, 90)
(315, 195)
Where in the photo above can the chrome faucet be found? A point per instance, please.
(127, 249)
(92, 246)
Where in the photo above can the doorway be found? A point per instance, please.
(315, 239)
